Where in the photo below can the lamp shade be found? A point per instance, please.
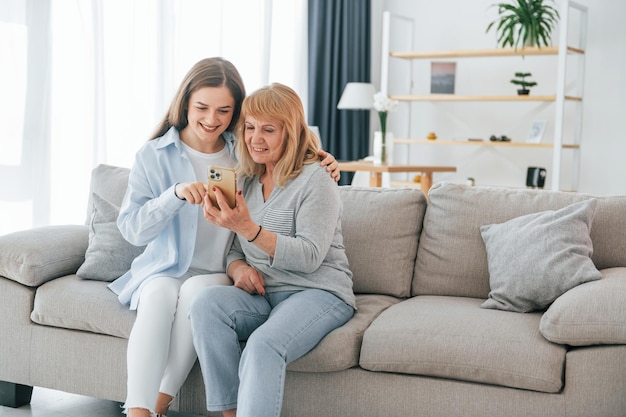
(357, 96)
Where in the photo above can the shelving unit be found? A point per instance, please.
(558, 99)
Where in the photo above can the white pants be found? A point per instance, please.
(160, 351)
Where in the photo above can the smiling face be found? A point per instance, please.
(264, 140)
(210, 111)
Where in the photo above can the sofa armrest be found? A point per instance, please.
(32, 257)
(592, 313)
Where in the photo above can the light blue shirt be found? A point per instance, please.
(152, 215)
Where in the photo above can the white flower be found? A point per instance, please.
(382, 103)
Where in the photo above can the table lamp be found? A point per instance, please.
(357, 96)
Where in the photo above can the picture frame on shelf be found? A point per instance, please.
(442, 77)
(535, 134)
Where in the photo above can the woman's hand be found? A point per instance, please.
(331, 164)
(193, 192)
(247, 278)
(236, 219)
(239, 221)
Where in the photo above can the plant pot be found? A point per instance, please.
(523, 92)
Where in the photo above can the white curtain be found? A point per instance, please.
(84, 82)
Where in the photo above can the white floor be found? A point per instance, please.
(51, 403)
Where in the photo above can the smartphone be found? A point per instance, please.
(226, 180)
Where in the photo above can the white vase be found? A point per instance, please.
(378, 148)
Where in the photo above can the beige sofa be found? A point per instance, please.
(421, 344)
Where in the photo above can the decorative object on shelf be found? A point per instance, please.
(536, 131)
(525, 23)
(383, 105)
(442, 76)
(431, 136)
(383, 149)
(520, 79)
(503, 138)
(535, 177)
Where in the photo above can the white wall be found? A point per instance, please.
(461, 24)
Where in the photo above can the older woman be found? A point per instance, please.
(292, 282)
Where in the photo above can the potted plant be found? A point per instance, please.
(520, 79)
(525, 23)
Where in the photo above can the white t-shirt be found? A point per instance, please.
(212, 242)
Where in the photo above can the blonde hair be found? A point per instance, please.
(280, 103)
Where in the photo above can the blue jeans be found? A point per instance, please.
(279, 328)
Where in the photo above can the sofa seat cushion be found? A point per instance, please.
(73, 303)
(453, 337)
(340, 349)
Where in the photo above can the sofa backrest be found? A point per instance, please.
(381, 229)
(108, 181)
(451, 258)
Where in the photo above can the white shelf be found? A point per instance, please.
(484, 53)
(439, 142)
(454, 97)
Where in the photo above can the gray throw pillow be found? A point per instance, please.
(108, 255)
(535, 258)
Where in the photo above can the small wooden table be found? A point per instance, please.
(376, 171)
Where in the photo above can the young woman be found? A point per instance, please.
(292, 282)
(162, 209)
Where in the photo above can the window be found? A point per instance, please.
(104, 75)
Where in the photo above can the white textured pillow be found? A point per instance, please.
(109, 255)
(535, 258)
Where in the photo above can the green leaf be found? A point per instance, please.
(524, 21)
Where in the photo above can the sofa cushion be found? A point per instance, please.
(590, 314)
(109, 182)
(451, 258)
(381, 228)
(535, 258)
(452, 337)
(32, 257)
(109, 255)
(340, 349)
(73, 303)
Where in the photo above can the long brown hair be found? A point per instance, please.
(208, 72)
(280, 103)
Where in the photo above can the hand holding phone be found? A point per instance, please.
(226, 180)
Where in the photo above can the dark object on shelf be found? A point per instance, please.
(503, 138)
(535, 177)
(520, 79)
